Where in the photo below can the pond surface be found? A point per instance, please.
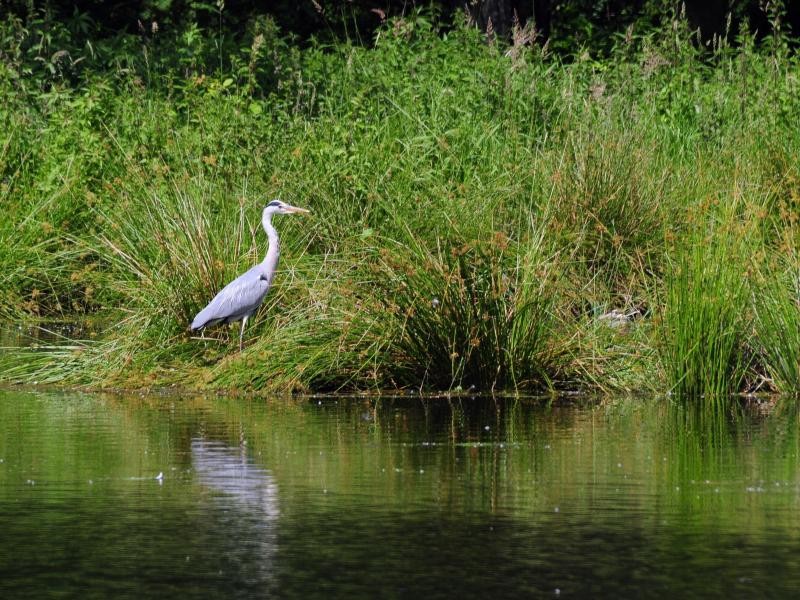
(144, 496)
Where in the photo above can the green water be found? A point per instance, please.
(182, 496)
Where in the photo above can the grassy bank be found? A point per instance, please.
(479, 209)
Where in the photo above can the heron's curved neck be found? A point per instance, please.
(274, 249)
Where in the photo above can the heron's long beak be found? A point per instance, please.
(296, 209)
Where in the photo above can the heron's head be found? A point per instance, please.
(280, 207)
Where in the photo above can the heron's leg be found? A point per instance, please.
(241, 335)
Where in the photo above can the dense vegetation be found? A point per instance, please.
(486, 215)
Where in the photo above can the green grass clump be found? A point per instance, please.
(478, 314)
(706, 305)
(777, 306)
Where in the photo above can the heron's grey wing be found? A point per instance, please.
(240, 298)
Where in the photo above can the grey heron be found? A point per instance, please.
(239, 300)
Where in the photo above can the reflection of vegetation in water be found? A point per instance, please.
(533, 459)
(730, 468)
(725, 467)
(291, 493)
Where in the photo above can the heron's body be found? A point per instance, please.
(239, 300)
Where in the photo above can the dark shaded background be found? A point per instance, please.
(567, 24)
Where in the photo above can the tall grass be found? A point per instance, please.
(476, 211)
(777, 307)
(478, 314)
(706, 305)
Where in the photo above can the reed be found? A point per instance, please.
(778, 316)
(706, 305)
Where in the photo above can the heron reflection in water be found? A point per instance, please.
(240, 512)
